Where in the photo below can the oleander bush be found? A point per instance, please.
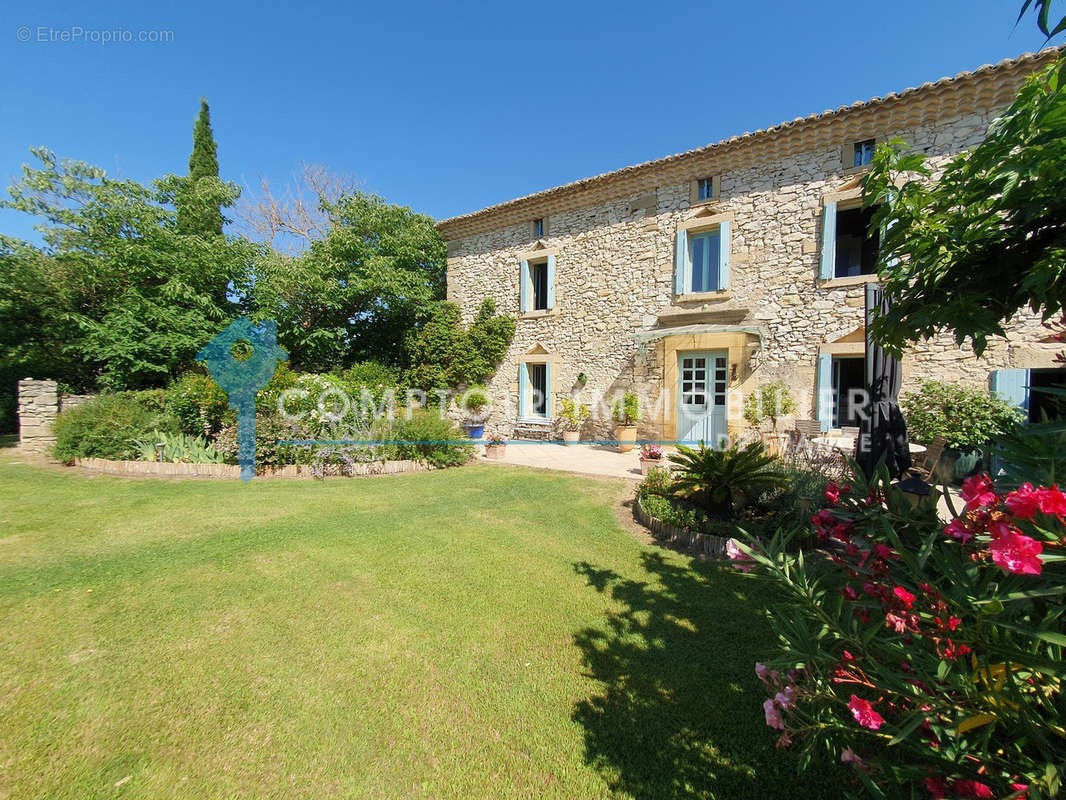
(927, 656)
(106, 426)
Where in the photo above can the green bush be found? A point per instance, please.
(427, 436)
(770, 401)
(718, 479)
(198, 405)
(966, 418)
(107, 426)
(627, 409)
(270, 431)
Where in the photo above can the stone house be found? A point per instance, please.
(694, 278)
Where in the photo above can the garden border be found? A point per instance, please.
(707, 543)
(168, 469)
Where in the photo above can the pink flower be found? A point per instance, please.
(786, 698)
(848, 756)
(957, 530)
(964, 787)
(864, 713)
(896, 623)
(978, 491)
(904, 596)
(849, 592)
(739, 557)
(937, 787)
(762, 671)
(1052, 501)
(773, 716)
(1023, 502)
(1013, 552)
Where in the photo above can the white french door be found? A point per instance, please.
(703, 382)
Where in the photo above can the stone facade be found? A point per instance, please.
(616, 318)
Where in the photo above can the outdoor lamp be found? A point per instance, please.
(917, 491)
(159, 448)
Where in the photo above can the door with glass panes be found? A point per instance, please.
(702, 386)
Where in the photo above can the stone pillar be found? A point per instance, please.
(38, 409)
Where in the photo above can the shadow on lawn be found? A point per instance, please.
(681, 710)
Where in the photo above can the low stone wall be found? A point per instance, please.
(706, 543)
(167, 469)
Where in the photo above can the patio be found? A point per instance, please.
(586, 459)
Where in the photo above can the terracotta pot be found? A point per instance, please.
(571, 437)
(626, 436)
(648, 464)
(495, 450)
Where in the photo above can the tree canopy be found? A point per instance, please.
(988, 237)
(199, 211)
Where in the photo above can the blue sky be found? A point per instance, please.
(449, 107)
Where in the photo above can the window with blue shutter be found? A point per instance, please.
(824, 391)
(829, 241)
(551, 282)
(523, 390)
(523, 287)
(681, 262)
(702, 260)
(1012, 385)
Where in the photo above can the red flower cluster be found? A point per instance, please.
(1011, 550)
(963, 787)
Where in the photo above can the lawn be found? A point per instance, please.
(478, 632)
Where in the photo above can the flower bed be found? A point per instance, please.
(157, 468)
(707, 543)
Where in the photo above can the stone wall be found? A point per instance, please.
(38, 407)
(614, 265)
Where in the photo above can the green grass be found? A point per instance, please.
(481, 632)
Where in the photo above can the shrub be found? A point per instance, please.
(770, 401)
(929, 657)
(573, 414)
(198, 405)
(270, 431)
(966, 418)
(178, 448)
(438, 441)
(107, 426)
(718, 479)
(443, 353)
(627, 409)
(369, 385)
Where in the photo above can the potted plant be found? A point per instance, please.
(626, 414)
(769, 402)
(572, 415)
(495, 446)
(967, 419)
(474, 401)
(651, 457)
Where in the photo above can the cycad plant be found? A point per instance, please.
(717, 478)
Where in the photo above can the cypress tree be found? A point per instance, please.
(195, 215)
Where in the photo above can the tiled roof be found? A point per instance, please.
(989, 86)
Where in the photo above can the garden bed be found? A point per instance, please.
(707, 543)
(157, 468)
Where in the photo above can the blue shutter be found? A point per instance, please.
(824, 389)
(523, 287)
(1012, 385)
(523, 389)
(551, 282)
(681, 262)
(829, 241)
(723, 255)
(548, 390)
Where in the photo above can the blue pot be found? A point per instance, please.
(474, 431)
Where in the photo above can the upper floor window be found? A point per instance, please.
(705, 189)
(537, 284)
(864, 152)
(701, 260)
(703, 251)
(538, 276)
(538, 227)
(857, 241)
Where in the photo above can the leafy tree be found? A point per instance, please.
(122, 300)
(988, 238)
(354, 293)
(199, 209)
(445, 354)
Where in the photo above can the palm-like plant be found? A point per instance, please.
(716, 478)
